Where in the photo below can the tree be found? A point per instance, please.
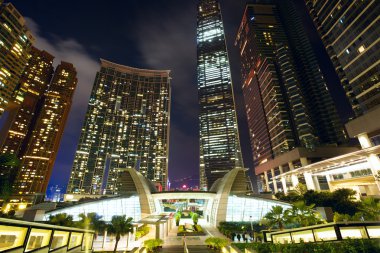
(277, 216)
(194, 217)
(370, 209)
(304, 215)
(9, 164)
(91, 221)
(61, 219)
(120, 226)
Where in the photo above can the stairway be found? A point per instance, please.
(199, 249)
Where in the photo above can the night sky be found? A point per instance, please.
(146, 34)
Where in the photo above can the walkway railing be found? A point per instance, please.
(22, 236)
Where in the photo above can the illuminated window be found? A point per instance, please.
(38, 238)
(75, 239)
(353, 232)
(361, 49)
(374, 232)
(60, 239)
(11, 237)
(325, 234)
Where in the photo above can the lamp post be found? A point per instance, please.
(250, 219)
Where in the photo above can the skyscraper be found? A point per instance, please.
(288, 104)
(350, 32)
(41, 147)
(15, 41)
(219, 138)
(126, 126)
(33, 84)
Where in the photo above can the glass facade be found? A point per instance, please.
(349, 30)
(249, 209)
(15, 41)
(129, 206)
(126, 126)
(219, 139)
(281, 79)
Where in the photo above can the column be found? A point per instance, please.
(316, 183)
(266, 181)
(328, 179)
(309, 181)
(274, 181)
(294, 177)
(373, 159)
(283, 181)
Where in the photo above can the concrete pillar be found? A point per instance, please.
(373, 159)
(309, 181)
(293, 177)
(266, 180)
(316, 183)
(274, 181)
(303, 161)
(157, 230)
(283, 181)
(104, 238)
(329, 179)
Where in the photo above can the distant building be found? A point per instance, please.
(55, 194)
(291, 115)
(350, 32)
(126, 126)
(219, 141)
(43, 141)
(33, 84)
(15, 41)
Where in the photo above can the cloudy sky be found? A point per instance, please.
(157, 34)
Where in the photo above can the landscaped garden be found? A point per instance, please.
(346, 246)
(190, 230)
(302, 214)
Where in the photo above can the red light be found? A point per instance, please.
(184, 186)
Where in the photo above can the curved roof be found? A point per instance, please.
(127, 69)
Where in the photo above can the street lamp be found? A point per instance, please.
(250, 219)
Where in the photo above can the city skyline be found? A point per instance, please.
(184, 127)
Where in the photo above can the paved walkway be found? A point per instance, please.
(173, 240)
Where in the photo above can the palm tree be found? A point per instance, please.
(370, 209)
(92, 221)
(304, 215)
(61, 219)
(8, 172)
(120, 225)
(277, 216)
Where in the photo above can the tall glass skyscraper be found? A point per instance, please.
(291, 115)
(126, 126)
(350, 32)
(219, 139)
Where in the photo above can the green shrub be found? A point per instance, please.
(216, 242)
(152, 244)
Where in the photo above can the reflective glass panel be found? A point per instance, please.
(11, 237)
(75, 239)
(325, 234)
(38, 238)
(60, 239)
